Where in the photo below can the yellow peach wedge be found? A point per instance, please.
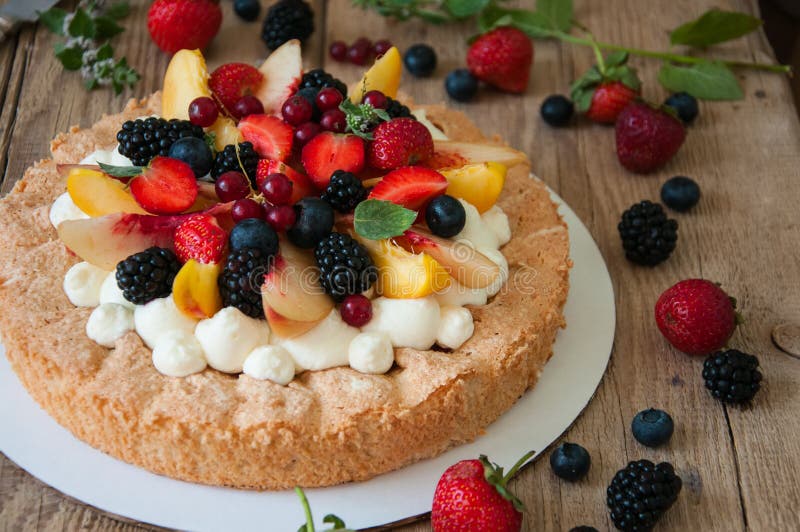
(479, 184)
(97, 194)
(195, 289)
(382, 76)
(186, 79)
(225, 132)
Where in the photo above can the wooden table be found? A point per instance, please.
(740, 466)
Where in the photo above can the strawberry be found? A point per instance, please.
(696, 316)
(472, 496)
(231, 81)
(399, 142)
(502, 58)
(608, 101)
(412, 187)
(328, 152)
(200, 237)
(301, 184)
(166, 186)
(606, 89)
(647, 138)
(177, 24)
(271, 137)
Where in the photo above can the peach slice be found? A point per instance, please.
(479, 184)
(225, 132)
(451, 154)
(285, 328)
(186, 79)
(383, 76)
(195, 289)
(468, 266)
(97, 194)
(282, 71)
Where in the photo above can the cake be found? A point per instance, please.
(241, 421)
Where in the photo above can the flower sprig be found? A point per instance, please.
(87, 49)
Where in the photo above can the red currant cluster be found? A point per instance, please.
(275, 188)
(359, 52)
(203, 111)
(309, 118)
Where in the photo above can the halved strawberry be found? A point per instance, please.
(200, 237)
(328, 152)
(271, 137)
(231, 81)
(412, 187)
(166, 186)
(301, 184)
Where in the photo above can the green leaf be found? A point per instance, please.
(616, 58)
(534, 24)
(582, 99)
(91, 83)
(117, 10)
(120, 171)
(53, 19)
(465, 8)
(707, 81)
(71, 58)
(81, 25)
(557, 12)
(335, 521)
(714, 26)
(210, 138)
(106, 28)
(378, 219)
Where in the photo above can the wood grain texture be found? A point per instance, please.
(739, 465)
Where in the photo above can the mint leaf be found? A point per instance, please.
(81, 25)
(714, 26)
(53, 19)
(106, 28)
(105, 52)
(707, 81)
(71, 58)
(465, 8)
(557, 12)
(378, 219)
(120, 171)
(117, 10)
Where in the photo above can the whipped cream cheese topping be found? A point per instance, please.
(158, 317)
(371, 352)
(407, 322)
(455, 327)
(64, 209)
(229, 336)
(270, 362)
(113, 157)
(178, 354)
(110, 292)
(325, 346)
(82, 284)
(108, 323)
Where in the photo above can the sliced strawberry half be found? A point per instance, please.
(328, 152)
(301, 184)
(271, 137)
(231, 81)
(166, 186)
(201, 238)
(412, 187)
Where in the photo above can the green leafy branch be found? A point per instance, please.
(87, 49)
(703, 77)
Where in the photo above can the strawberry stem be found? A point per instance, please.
(516, 467)
(306, 509)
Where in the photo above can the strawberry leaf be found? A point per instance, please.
(558, 13)
(706, 80)
(465, 8)
(616, 58)
(714, 26)
(120, 171)
(379, 219)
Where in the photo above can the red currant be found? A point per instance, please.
(277, 189)
(363, 41)
(328, 98)
(296, 110)
(281, 217)
(248, 105)
(306, 132)
(376, 99)
(246, 208)
(203, 111)
(356, 310)
(358, 53)
(338, 50)
(232, 186)
(381, 47)
(333, 120)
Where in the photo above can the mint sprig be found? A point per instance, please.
(120, 171)
(378, 219)
(86, 48)
(362, 118)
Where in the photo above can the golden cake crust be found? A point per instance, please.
(326, 427)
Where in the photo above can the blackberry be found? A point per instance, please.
(241, 279)
(640, 494)
(345, 266)
(227, 160)
(318, 79)
(147, 275)
(344, 191)
(732, 376)
(397, 109)
(286, 20)
(142, 139)
(648, 236)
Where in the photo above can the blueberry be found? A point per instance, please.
(420, 60)
(194, 152)
(254, 233)
(583, 528)
(685, 105)
(680, 193)
(461, 85)
(445, 216)
(570, 461)
(556, 110)
(314, 221)
(652, 427)
(247, 9)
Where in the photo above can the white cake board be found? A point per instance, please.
(49, 452)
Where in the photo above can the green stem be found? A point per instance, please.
(306, 509)
(667, 56)
(521, 462)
